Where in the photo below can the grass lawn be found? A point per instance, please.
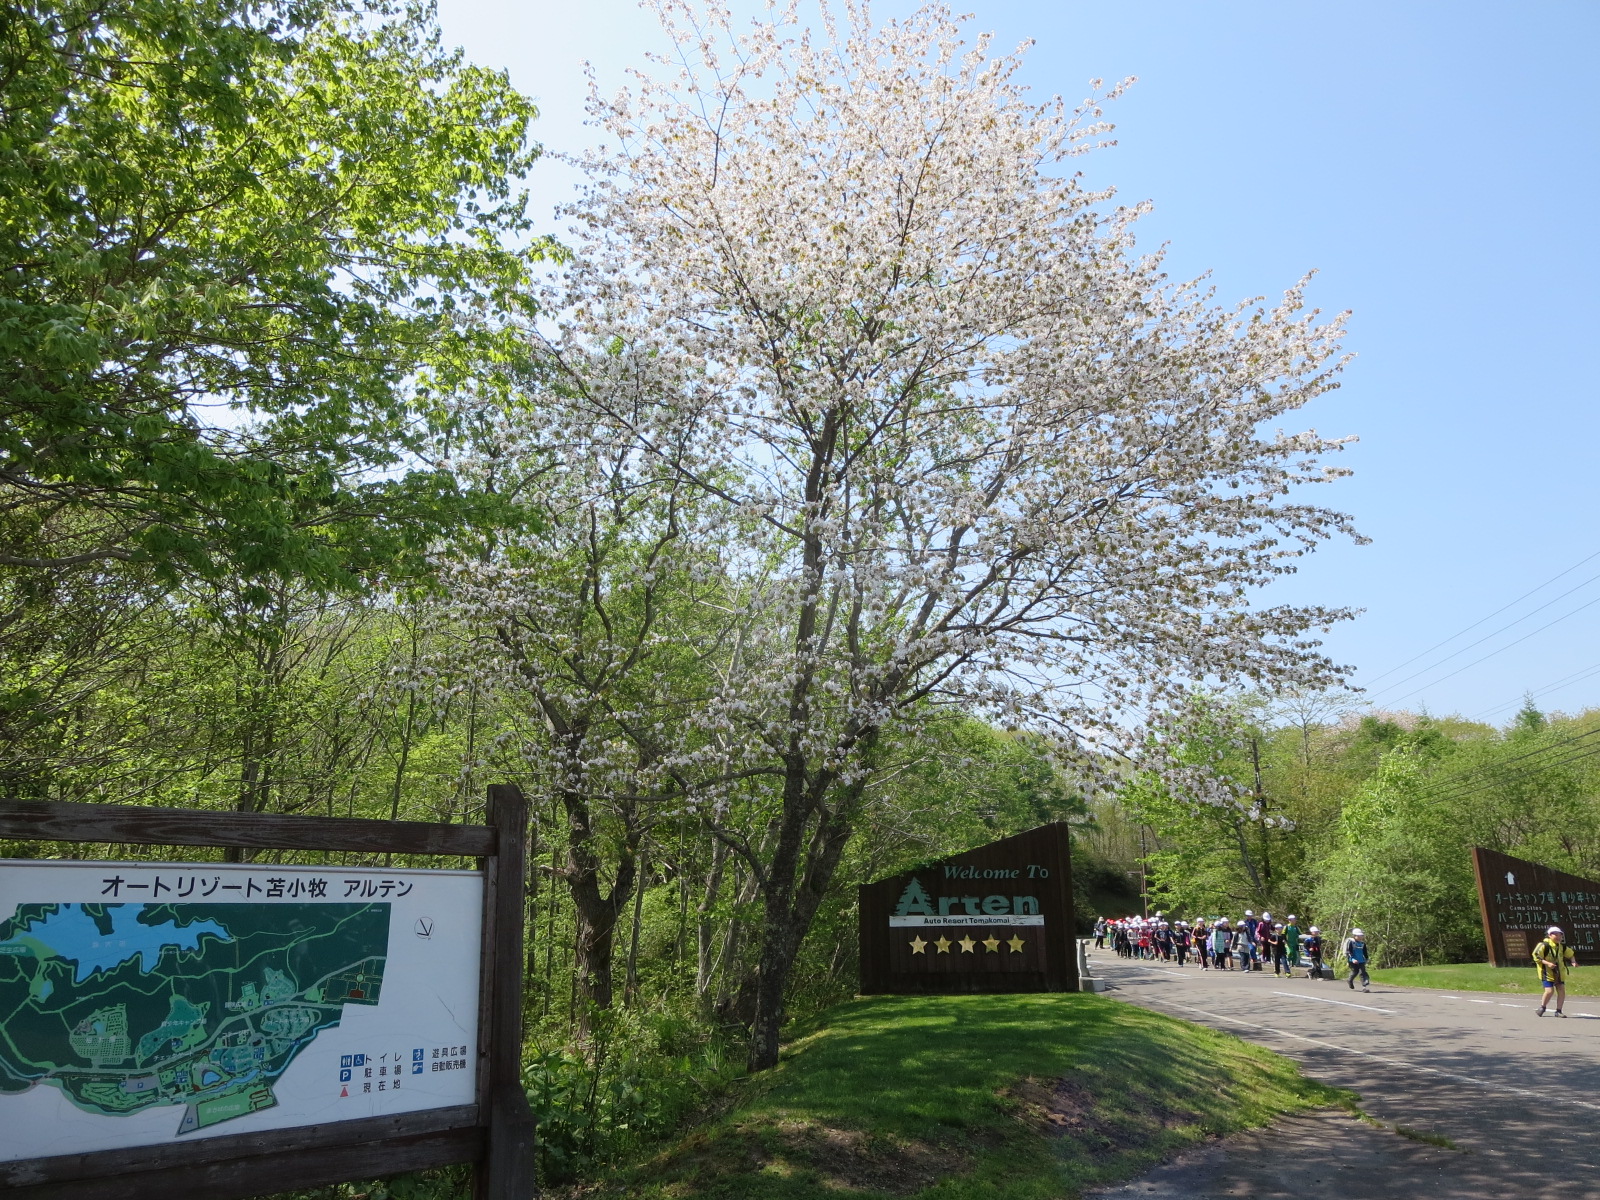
(962, 1097)
(1481, 977)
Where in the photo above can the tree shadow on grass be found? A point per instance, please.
(999, 1097)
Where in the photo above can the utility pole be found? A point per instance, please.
(1261, 807)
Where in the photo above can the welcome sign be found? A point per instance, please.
(994, 919)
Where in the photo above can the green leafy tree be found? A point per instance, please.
(1201, 795)
(294, 212)
(1401, 866)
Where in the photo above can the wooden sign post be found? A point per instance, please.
(995, 919)
(1519, 900)
(494, 1132)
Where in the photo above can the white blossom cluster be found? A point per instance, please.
(853, 402)
(990, 452)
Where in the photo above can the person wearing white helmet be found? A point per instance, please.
(1278, 949)
(1245, 938)
(1163, 940)
(1221, 944)
(1356, 954)
(1555, 961)
(1312, 945)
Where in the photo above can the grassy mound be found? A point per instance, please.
(1481, 977)
(998, 1097)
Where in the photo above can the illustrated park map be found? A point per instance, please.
(124, 1007)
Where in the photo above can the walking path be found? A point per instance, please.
(1518, 1094)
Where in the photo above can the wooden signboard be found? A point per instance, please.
(1521, 899)
(230, 1030)
(995, 919)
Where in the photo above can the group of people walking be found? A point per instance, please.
(1250, 943)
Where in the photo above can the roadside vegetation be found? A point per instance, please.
(1031, 1097)
(973, 1098)
(1349, 817)
(1481, 977)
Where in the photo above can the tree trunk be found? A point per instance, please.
(530, 964)
(595, 945)
(705, 931)
(740, 1004)
(596, 912)
(405, 753)
(791, 906)
(802, 792)
(597, 916)
(550, 931)
(630, 987)
(772, 969)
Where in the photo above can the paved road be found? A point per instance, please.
(1519, 1095)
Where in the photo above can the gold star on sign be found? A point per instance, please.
(1015, 943)
(943, 944)
(967, 944)
(992, 943)
(918, 945)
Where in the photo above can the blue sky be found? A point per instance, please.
(1437, 164)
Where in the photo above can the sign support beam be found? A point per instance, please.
(508, 1164)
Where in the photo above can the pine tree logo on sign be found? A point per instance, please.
(996, 918)
(916, 907)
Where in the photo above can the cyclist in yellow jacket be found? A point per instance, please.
(1555, 961)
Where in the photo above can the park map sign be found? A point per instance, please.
(995, 919)
(1521, 899)
(144, 1003)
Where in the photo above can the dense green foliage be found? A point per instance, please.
(1367, 820)
(247, 253)
(278, 208)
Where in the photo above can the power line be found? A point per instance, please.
(1492, 653)
(1566, 762)
(1490, 617)
(1542, 690)
(1487, 636)
(1442, 785)
(1446, 785)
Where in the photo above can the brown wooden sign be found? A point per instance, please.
(995, 919)
(495, 1132)
(1521, 899)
